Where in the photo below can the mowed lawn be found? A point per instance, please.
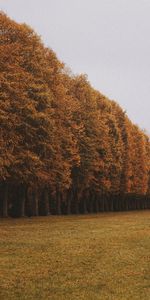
(103, 256)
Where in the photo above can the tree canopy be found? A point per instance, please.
(64, 146)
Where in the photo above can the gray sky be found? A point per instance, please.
(109, 40)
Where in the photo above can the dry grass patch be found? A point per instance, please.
(104, 256)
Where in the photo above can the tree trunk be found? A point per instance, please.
(22, 202)
(111, 199)
(76, 207)
(102, 203)
(58, 203)
(76, 199)
(91, 204)
(69, 200)
(46, 202)
(106, 204)
(36, 203)
(5, 201)
(96, 204)
(85, 205)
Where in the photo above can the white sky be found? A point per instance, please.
(109, 40)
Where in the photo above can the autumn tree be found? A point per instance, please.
(64, 147)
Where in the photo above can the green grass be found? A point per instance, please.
(104, 256)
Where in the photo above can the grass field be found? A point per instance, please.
(104, 256)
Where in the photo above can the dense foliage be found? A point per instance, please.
(64, 147)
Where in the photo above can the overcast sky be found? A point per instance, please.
(109, 40)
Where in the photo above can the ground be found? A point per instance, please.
(103, 256)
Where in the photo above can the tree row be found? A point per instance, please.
(64, 147)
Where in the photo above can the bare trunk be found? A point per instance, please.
(5, 201)
(36, 203)
(58, 201)
(106, 204)
(22, 203)
(85, 206)
(69, 200)
(76, 199)
(91, 203)
(96, 204)
(111, 203)
(46, 203)
(102, 203)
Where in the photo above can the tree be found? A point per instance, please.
(64, 147)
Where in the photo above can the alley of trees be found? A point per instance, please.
(64, 147)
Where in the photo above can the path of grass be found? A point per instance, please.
(105, 256)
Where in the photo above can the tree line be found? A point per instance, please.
(64, 147)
